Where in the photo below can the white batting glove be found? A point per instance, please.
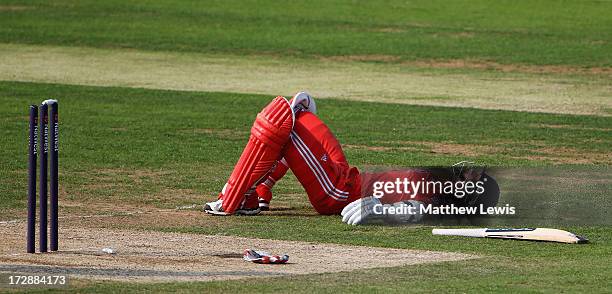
(360, 210)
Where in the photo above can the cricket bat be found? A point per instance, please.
(532, 234)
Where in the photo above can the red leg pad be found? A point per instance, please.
(269, 135)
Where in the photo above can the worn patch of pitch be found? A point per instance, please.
(393, 83)
(146, 256)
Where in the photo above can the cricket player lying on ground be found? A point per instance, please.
(289, 135)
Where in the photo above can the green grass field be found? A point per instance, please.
(571, 33)
(187, 140)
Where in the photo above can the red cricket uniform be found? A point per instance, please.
(413, 175)
(316, 159)
(288, 136)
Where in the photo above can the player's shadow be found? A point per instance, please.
(290, 211)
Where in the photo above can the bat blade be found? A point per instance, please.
(532, 234)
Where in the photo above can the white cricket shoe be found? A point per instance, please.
(216, 208)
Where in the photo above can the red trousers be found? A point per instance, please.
(315, 157)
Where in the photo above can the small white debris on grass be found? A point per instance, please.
(186, 207)
(109, 250)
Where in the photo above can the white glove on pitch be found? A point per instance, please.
(362, 211)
